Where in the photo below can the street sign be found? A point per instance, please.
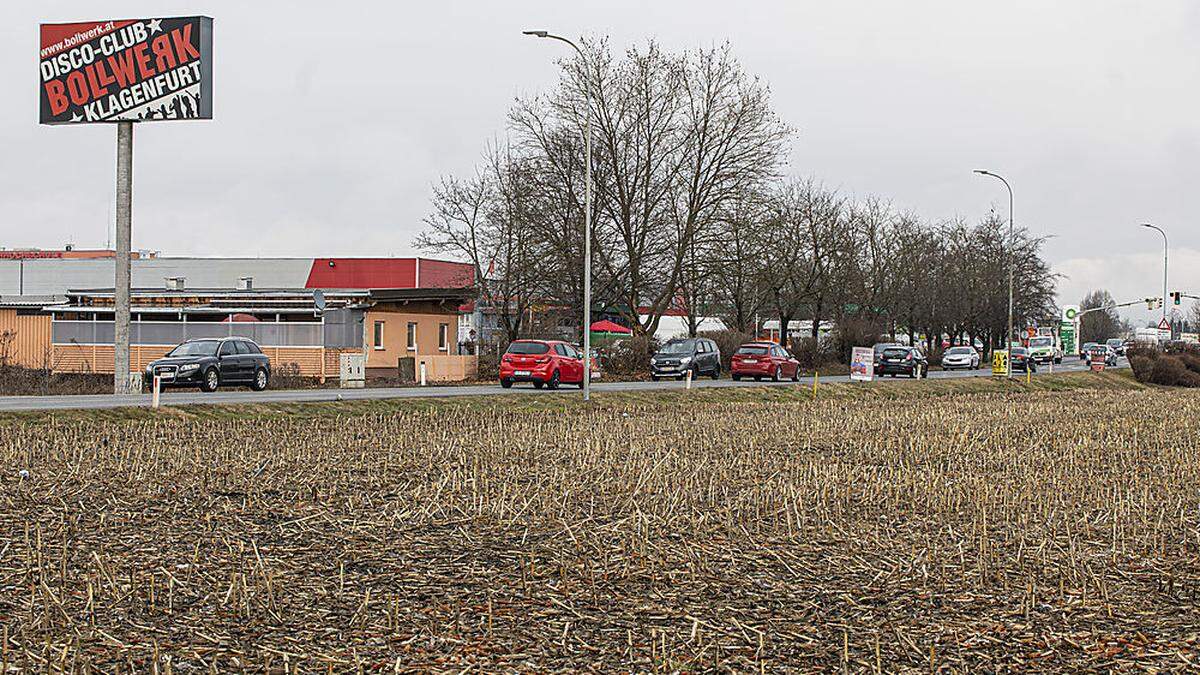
(1000, 362)
(1163, 325)
(862, 364)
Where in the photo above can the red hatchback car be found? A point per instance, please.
(546, 363)
(764, 359)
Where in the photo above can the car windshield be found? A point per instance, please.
(1039, 342)
(895, 351)
(752, 349)
(959, 351)
(678, 347)
(1019, 351)
(528, 348)
(1115, 342)
(198, 348)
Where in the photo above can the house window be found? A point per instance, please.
(412, 337)
(378, 341)
(443, 336)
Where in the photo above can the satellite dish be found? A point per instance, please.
(319, 301)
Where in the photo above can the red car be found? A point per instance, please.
(546, 363)
(764, 359)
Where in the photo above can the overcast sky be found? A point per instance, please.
(331, 120)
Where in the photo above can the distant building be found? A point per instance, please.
(58, 312)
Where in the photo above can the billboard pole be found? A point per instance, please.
(124, 229)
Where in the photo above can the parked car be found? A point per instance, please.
(545, 363)
(1021, 360)
(1043, 350)
(1085, 348)
(764, 359)
(899, 360)
(1117, 344)
(879, 347)
(961, 357)
(209, 363)
(1103, 352)
(675, 358)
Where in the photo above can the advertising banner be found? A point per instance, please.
(1000, 362)
(125, 70)
(862, 364)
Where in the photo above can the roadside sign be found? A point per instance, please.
(1191, 338)
(1070, 312)
(1066, 337)
(126, 70)
(1098, 364)
(1000, 362)
(862, 364)
(1163, 325)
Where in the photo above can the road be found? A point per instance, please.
(233, 397)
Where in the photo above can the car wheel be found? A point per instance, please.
(261, 380)
(654, 378)
(507, 384)
(778, 374)
(736, 377)
(758, 378)
(537, 384)
(553, 383)
(716, 373)
(796, 374)
(212, 380)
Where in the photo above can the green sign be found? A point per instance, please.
(1066, 335)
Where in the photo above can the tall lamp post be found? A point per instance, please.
(1164, 295)
(1011, 264)
(587, 216)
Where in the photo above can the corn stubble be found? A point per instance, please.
(989, 532)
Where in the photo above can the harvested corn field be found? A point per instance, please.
(982, 532)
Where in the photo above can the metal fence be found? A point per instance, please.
(265, 333)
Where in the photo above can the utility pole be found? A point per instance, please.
(587, 213)
(124, 228)
(1012, 264)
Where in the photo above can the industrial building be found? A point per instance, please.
(57, 312)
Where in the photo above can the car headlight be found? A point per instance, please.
(189, 368)
(653, 361)
(685, 360)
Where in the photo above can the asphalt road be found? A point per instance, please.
(231, 397)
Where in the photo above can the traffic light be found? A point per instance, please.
(1160, 302)
(1177, 297)
(1149, 303)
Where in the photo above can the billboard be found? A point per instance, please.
(862, 364)
(125, 70)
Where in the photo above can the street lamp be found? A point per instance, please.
(587, 215)
(1011, 264)
(1164, 295)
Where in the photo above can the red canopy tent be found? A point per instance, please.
(606, 326)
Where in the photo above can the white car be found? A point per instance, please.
(962, 357)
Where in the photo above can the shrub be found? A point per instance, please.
(628, 356)
(728, 342)
(1171, 370)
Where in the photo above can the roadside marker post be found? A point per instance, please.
(689, 379)
(422, 373)
(1028, 375)
(154, 393)
(816, 379)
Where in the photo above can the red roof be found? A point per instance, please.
(389, 273)
(606, 326)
